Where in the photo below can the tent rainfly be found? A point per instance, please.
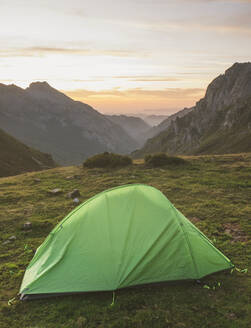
(125, 236)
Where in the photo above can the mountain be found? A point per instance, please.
(134, 126)
(166, 123)
(154, 119)
(219, 123)
(46, 119)
(16, 158)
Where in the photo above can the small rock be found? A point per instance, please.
(27, 226)
(71, 177)
(12, 238)
(37, 180)
(73, 194)
(6, 242)
(55, 191)
(76, 200)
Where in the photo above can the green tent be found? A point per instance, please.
(125, 236)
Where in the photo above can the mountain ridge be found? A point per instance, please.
(134, 126)
(46, 119)
(215, 123)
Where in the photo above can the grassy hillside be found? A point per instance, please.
(16, 158)
(214, 192)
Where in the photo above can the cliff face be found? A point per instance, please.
(48, 120)
(219, 123)
(16, 158)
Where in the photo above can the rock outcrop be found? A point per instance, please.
(218, 123)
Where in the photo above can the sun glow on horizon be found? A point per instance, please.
(123, 56)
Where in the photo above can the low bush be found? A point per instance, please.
(107, 160)
(162, 159)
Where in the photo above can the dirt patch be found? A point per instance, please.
(194, 220)
(234, 230)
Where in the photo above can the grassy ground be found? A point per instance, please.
(212, 191)
(17, 158)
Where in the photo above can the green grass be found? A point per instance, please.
(214, 192)
(18, 158)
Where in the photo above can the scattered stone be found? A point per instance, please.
(73, 194)
(27, 226)
(72, 177)
(76, 200)
(12, 238)
(37, 180)
(55, 191)
(6, 242)
(231, 315)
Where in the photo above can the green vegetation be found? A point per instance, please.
(214, 192)
(17, 158)
(107, 160)
(162, 159)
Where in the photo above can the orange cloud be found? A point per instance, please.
(134, 100)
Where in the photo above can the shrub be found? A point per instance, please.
(107, 160)
(162, 159)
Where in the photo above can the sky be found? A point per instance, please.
(124, 56)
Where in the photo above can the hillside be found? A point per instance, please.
(155, 130)
(212, 191)
(51, 122)
(135, 127)
(16, 158)
(219, 123)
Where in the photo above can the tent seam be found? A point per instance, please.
(187, 241)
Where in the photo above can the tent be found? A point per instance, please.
(125, 236)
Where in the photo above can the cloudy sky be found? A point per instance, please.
(124, 56)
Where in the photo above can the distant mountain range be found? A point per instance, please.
(136, 127)
(46, 119)
(153, 119)
(17, 158)
(219, 123)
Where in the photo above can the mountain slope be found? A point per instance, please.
(134, 126)
(155, 130)
(16, 158)
(48, 120)
(219, 123)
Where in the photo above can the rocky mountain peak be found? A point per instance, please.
(228, 88)
(219, 123)
(42, 90)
